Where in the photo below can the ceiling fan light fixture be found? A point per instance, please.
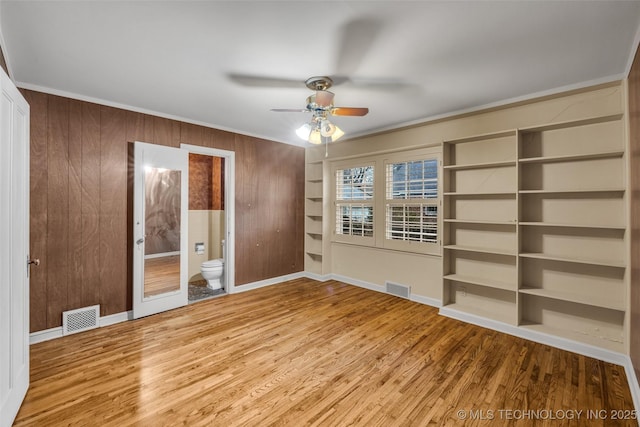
(337, 133)
(315, 137)
(304, 131)
(319, 130)
(327, 128)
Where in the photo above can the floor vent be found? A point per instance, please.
(401, 291)
(79, 320)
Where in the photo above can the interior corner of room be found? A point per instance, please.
(520, 216)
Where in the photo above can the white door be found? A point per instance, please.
(160, 213)
(14, 249)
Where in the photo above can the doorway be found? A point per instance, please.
(210, 251)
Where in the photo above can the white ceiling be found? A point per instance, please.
(227, 63)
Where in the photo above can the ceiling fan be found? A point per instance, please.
(319, 129)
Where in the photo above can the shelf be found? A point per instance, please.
(480, 250)
(314, 233)
(457, 310)
(481, 165)
(479, 194)
(575, 336)
(483, 137)
(602, 302)
(315, 180)
(315, 217)
(603, 190)
(568, 158)
(572, 123)
(472, 221)
(315, 198)
(564, 273)
(314, 254)
(481, 282)
(550, 224)
(573, 260)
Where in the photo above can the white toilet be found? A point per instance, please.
(212, 272)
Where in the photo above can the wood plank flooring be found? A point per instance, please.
(309, 353)
(161, 275)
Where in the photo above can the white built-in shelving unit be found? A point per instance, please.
(535, 229)
(313, 242)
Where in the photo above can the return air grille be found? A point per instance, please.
(401, 291)
(79, 320)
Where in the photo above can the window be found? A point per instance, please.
(389, 201)
(354, 201)
(412, 201)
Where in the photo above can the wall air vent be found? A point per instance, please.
(401, 291)
(79, 320)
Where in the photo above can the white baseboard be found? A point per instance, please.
(267, 282)
(433, 302)
(112, 319)
(358, 282)
(558, 342)
(45, 335)
(551, 340)
(632, 379)
(318, 277)
(162, 255)
(540, 337)
(53, 333)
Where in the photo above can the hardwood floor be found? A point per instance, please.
(310, 353)
(161, 275)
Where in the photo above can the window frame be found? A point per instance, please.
(432, 248)
(350, 238)
(379, 200)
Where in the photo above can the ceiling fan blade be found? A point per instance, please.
(290, 110)
(349, 111)
(324, 98)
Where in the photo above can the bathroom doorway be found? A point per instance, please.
(210, 217)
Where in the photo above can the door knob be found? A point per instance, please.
(140, 241)
(35, 261)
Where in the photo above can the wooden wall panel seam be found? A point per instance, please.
(81, 202)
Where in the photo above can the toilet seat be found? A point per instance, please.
(213, 263)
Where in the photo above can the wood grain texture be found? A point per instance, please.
(39, 199)
(81, 202)
(250, 258)
(161, 275)
(166, 132)
(634, 218)
(75, 246)
(113, 211)
(221, 139)
(305, 353)
(91, 205)
(58, 209)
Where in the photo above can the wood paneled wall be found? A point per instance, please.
(81, 202)
(634, 220)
